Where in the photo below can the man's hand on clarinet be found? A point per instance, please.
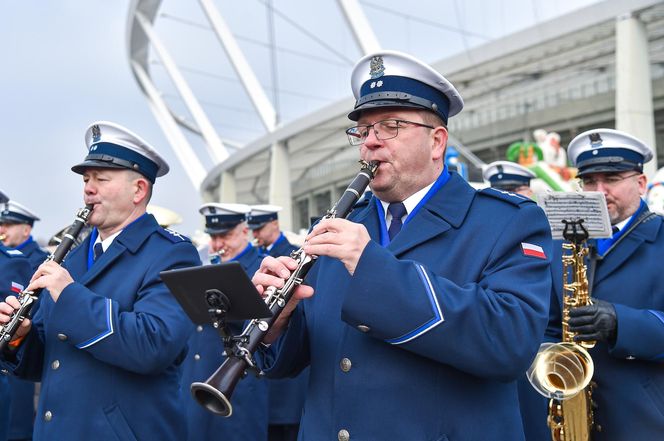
(340, 239)
(50, 276)
(275, 272)
(7, 309)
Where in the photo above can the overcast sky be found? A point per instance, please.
(64, 66)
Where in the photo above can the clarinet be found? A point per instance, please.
(215, 393)
(27, 299)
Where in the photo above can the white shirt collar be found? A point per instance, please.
(410, 203)
(108, 241)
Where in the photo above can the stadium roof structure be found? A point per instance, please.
(511, 84)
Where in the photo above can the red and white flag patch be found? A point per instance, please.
(533, 250)
(17, 287)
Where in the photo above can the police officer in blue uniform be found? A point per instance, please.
(15, 273)
(226, 224)
(109, 339)
(16, 223)
(627, 288)
(263, 222)
(509, 176)
(286, 395)
(425, 306)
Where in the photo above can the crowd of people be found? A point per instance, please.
(419, 320)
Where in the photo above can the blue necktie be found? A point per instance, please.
(98, 250)
(397, 210)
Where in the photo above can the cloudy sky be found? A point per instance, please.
(64, 66)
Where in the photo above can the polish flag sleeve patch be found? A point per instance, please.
(532, 250)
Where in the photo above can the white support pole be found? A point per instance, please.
(259, 99)
(634, 107)
(185, 154)
(215, 147)
(357, 21)
(280, 189)
(227, 191)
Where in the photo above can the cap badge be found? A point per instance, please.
(595, 139)
(376, 67)
(96, 133)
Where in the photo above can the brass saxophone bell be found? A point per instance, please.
(561, 370)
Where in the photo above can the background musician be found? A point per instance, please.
(16, 223)
(108, 339)
(226, 224)
(286, 397)
(509, 176)
(627, 288)
(15, 272)
(264, 226)
(428, 301)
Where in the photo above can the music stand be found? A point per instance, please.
(216, 293)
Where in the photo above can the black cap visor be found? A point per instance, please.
(83, 166)
(615, 167)
(355, 114)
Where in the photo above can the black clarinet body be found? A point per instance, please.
(215, 393)
(27, 299)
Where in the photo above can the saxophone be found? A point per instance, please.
(563, 371)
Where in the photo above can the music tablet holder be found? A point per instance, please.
(216, 294)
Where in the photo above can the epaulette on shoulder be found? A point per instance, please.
(12, 252)
(173, 236)
(512, 198)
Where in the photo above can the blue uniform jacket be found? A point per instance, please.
(249, 419)
(33, 252)
(281, 247)
(15, 273)
(22, 412)
(630, 373)
(426, 340)
(109, 352)
(286, 395)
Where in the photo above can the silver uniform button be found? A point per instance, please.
(55, 364)
(199, 328)
(345, 364)
(48, 416)
(62, 337)
(631, 357)
(363, 328)
(197, 357)
(343, 435)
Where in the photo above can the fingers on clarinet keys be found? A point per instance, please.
(8, 307)
(594, 322)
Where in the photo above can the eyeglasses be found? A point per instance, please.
(608, 181)
(385, 129)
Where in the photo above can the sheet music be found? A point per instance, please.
(589, 206)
